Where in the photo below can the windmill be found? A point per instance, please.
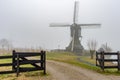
(75, 28)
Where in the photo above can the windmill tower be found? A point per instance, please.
(75, 28)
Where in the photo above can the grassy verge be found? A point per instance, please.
(34, 75)
(72, 59)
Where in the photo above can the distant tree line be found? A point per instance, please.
(5, 46)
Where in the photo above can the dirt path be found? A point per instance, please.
(63, 71)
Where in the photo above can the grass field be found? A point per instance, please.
(62, 57)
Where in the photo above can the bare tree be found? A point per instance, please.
(106, 47)
(92, 45)
(5, 44)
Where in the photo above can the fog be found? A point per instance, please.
(26, 22)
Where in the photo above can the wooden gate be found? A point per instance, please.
(21, 58)
(100, 60)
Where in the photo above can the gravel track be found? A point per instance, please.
(64, 71)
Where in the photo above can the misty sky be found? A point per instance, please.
(26, 22)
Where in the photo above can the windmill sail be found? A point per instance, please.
(75, 15)
(59, 25)
(89, 26)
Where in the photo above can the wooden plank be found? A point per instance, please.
(110, 66)
(27, 54)
(6, 64)
(107, 53)
(4, 57)
(110, 53)
(30, 61)
(110, 60)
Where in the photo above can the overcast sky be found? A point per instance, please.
(26, 22)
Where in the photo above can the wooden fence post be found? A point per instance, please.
(13, 61)
(96, 58)
(118, 61)
(44, 62)
(42, 59)
(17, 65)
(103, 60)
(100, 60)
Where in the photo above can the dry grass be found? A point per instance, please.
(34, 75)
